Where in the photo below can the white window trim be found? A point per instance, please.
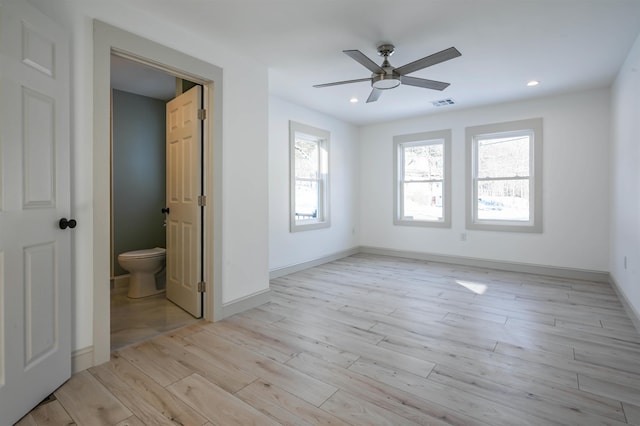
(534, 225)
(423, 138)
(323, 220)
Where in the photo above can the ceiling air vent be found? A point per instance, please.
(443, 102)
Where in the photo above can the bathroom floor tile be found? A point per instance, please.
(135, 320)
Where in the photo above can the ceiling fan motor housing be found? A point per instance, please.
(389, 79)
(385, 81)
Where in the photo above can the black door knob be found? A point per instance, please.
(165, 210)
(64, 223)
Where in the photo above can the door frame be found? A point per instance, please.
(108, 39)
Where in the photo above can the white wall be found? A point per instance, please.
(575, 181)
(625, 179)
(245, 208)
(286, 248)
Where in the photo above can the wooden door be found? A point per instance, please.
(35, 289)
(184, 245)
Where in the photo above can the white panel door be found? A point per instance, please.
(183, 188)
(35, 289)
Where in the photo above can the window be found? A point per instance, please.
(309, 154)
(422, 179)
(504, 189)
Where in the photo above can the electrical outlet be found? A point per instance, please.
(463, 236)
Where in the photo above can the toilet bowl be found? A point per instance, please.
(143, 265)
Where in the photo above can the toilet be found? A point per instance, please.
(143, 265)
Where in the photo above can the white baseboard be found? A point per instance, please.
(286, 270)
(245, 303)
(576, 274)
(81, 359)
(633, 314)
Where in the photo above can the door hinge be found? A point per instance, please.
(202, 114)
(202, 287)
(202, 200)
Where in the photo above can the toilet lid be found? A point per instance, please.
(141, 254)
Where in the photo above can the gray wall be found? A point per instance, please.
(138, 174)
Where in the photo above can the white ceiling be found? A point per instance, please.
(568, 45)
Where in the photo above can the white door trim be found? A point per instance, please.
(107, 39)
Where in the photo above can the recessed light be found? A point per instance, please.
(533, 83)
(353, 100)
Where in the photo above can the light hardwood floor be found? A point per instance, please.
(373, 340)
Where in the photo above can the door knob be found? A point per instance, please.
(64, 223)
(165, 210)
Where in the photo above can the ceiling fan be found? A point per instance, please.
(386, 77)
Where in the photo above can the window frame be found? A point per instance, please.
(532, 127)
(422, 139)
(322, 137)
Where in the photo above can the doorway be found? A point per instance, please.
(107, 40)
(140, 95)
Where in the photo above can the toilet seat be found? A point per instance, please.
(143, 254)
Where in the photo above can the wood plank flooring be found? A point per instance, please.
(374, 340)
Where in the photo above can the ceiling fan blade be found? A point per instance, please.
(374, 95)
(364, 60)
(423, 82)
(336, 83)
(428, 61)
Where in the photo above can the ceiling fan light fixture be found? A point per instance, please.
(385, 81)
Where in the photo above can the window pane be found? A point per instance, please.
(306, 157)
(306, 197)
(309, 177)
(422, 172)
(424, 162)
(503, 157)
(503, 200)
(422, 201)
(505, 182)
